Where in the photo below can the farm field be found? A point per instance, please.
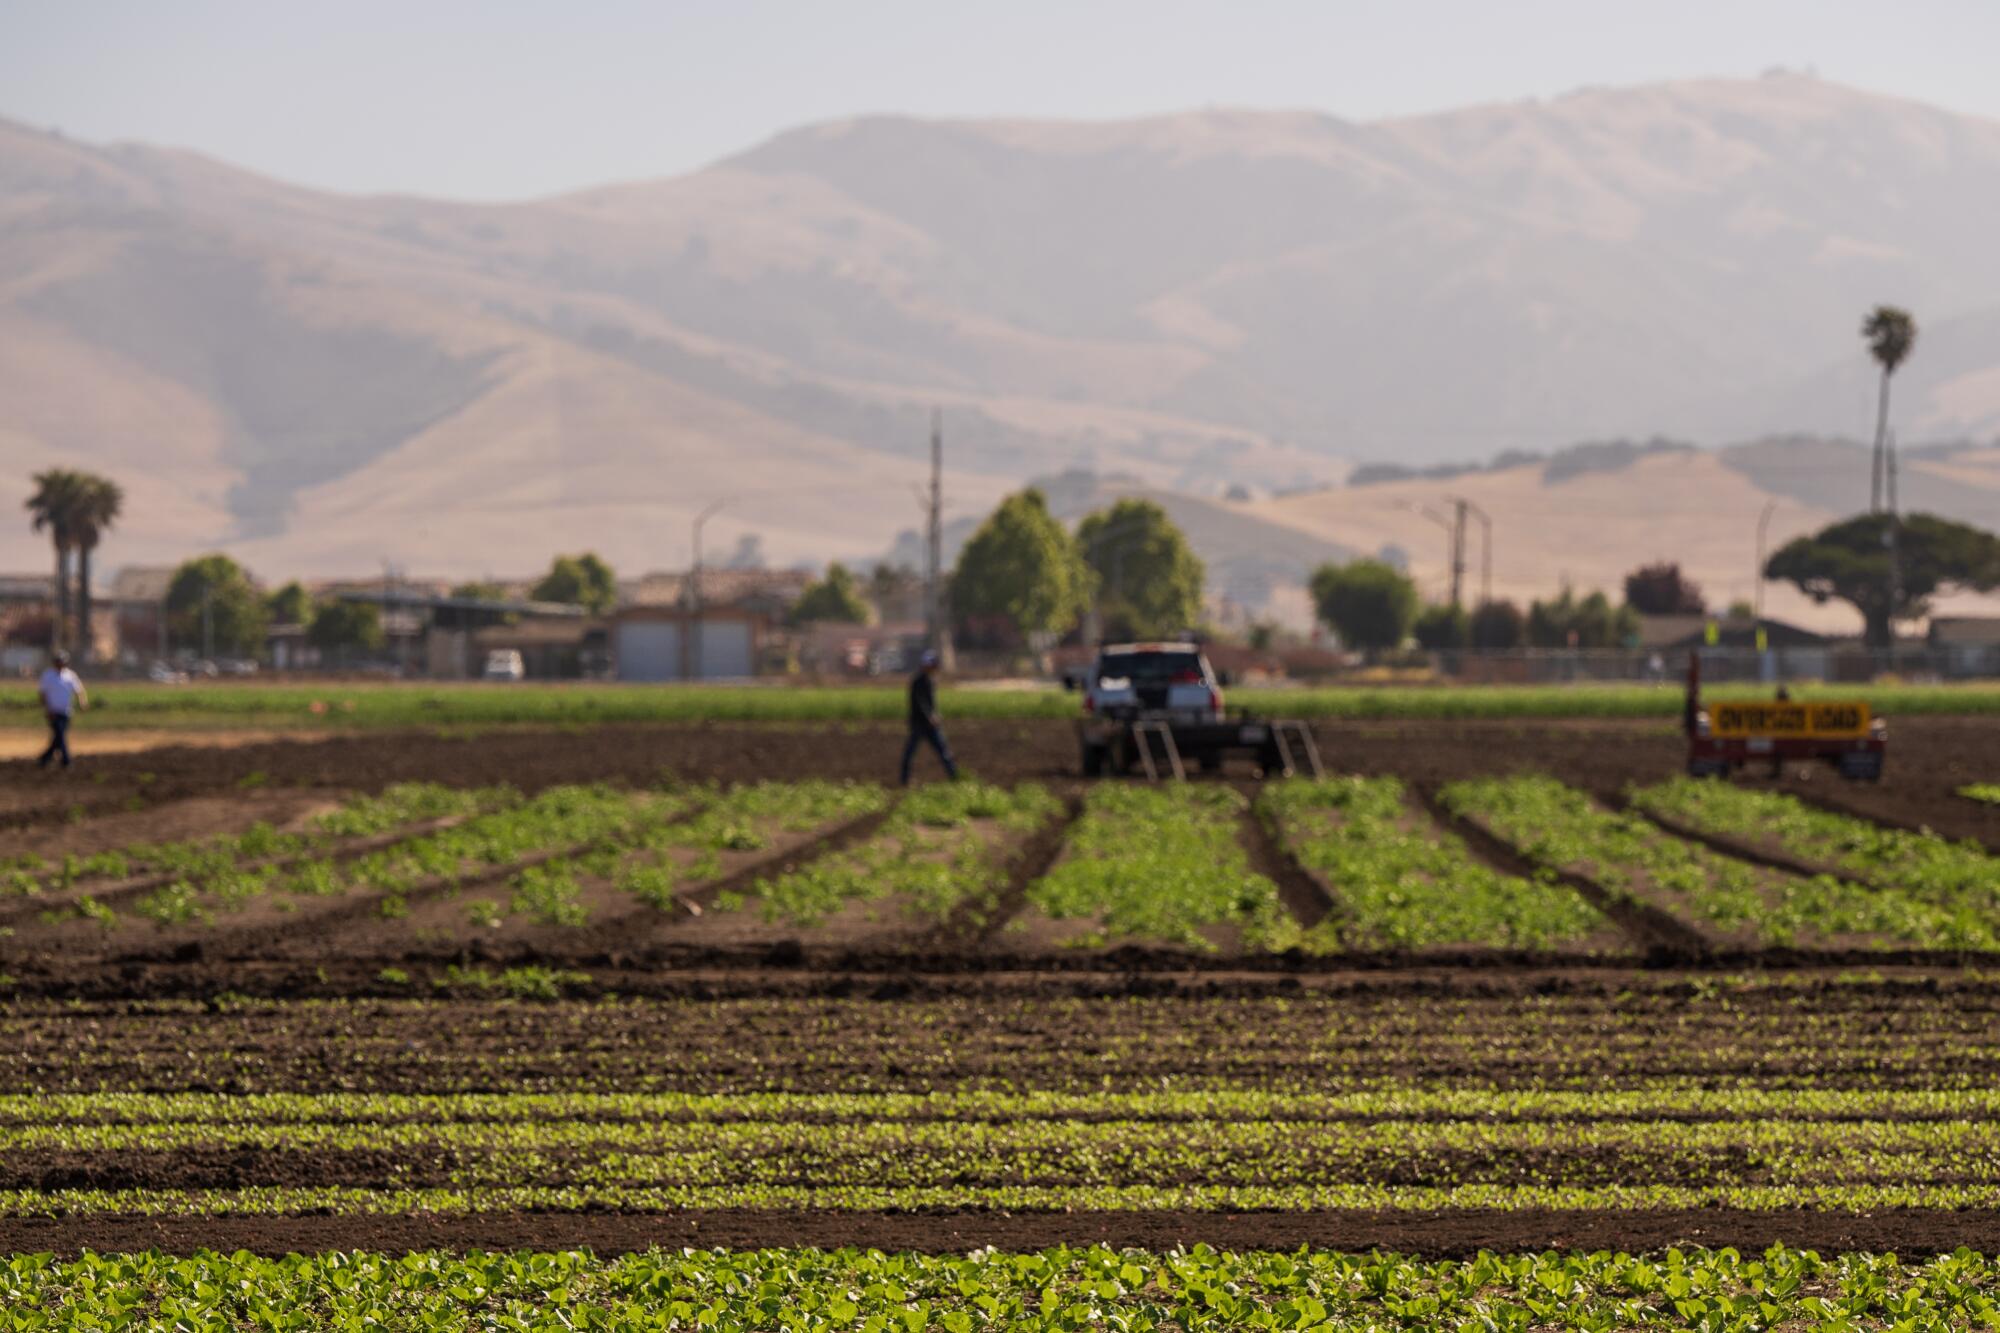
(337, 706)
(456, 1006)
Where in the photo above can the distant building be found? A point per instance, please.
(666, 643)
(769, 593)
(1665, 633)
(138, 598)
(1966, 645)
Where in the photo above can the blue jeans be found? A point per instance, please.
(58, 740)
(921, 732)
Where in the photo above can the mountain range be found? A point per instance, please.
(1231, 307)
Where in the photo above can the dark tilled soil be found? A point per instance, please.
(1930, 758)
(1507, 1030)
(1438, 1235)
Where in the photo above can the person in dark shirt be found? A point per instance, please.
(924, 718)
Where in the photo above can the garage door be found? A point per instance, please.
(649, 650)
(725, 649)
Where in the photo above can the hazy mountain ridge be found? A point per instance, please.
(1222, 297)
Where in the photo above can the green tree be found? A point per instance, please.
(290, 605)
(1891, 333)
(1853, 561)
(1592, 621)
(1023, 567)
(581, 579)
(1443, 628)
(837, 597)
(55, 506)
(1148, 578)
(342, 626)
(234, 612)
(1498, 626)
(1370, 604)
(480, 590)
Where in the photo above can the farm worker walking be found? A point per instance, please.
(924, 718)
(62, 692)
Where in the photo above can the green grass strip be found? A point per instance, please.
(347, 705)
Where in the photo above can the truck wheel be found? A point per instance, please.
(1093, 761)
(1211, 763)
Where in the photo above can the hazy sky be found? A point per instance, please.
(507, 98)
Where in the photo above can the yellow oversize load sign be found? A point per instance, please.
(1762, 718)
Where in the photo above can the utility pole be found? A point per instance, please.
(1763, 525)
(1893, 537)
(691, 642)
(1454, 532)
(934, 540)
(1485, 546)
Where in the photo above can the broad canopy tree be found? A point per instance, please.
(1021, 566)
(342, 626)
(1888, 568)
(1369, 603)
(583, 579)
(836, 598)
(290, 605)
(1590, 621)
(211, 603)
(1148, 579)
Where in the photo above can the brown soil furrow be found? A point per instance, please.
(838, 838)
(1840, 804)
(1439, 1235)
(973, 924)
(1663, 935)
(798, 970)
(1515, 1028)
(1304, 891)
(222, 1165)
(1720, 843)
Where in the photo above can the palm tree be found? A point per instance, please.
(57, 496)
(1890, 333)
(99, 500)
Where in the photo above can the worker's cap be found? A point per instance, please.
(61, 658)
(929, 659)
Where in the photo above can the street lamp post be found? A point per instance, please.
(691, 650)
(1451, 538)
(1763, 525)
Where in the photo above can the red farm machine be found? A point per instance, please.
(1726, 735)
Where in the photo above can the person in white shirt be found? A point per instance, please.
(62, 694)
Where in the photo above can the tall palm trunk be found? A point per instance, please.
(1879, 471)
(84, 640)
(59, 629)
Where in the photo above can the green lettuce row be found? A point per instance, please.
(1407, 885)
(1160, 864)
(1665, 1100)
(1958, 878)
(1056, 1291)
(399, 806)
(356, 1201)
(1559, 827)
(1082, 1155)
(926, 852)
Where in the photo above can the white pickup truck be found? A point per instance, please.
(1169, 683)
